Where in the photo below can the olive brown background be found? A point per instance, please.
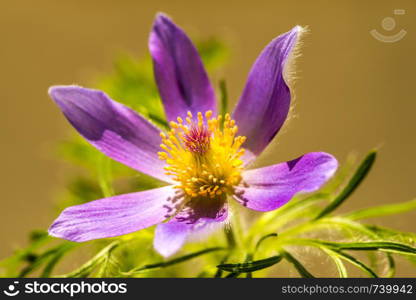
(353, 92)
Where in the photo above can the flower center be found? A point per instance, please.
(203, 155)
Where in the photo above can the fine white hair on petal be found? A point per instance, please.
(290, 75)
(290, 71)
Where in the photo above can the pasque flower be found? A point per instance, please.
(203, 158)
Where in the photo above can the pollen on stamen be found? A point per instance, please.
(203, 154)
(197, 140)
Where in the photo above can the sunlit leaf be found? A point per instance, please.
(382, 245)
(171, 262)
(12, 265)
(263, 238)
(251, 266)
(294, 210)
(352, 260)
(48, 258)
(56, 257)
(353, 183)
(214, 53)
(393, 235)
(297, 264)
(342, 270)
(383, 210)
(86, 269)
(391, 271)
(224, 98)
(104, 176)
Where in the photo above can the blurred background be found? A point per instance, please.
(353, 92)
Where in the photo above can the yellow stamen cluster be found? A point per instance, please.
(203, 155)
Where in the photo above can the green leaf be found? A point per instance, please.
(297, 264)
(352, 226)
(218, 273)
(47, 271)
(170, 262)
(104, 176)
(357, 263)
(251, 266)
(297, 208)
(391, 271)
(387, 234)
(334, 224)
(110, 267)
(86, 269)
(337, 248)
(224, 98)
(38, 235)
(393, 235)
(352, 260)
(343, 173)
(37, 238)
(342, 270)
(377, 245)
(352, 185)
(214, 53)
(233, 275)
(263, 238)
(359, 246)
(383, 210)
(50, 256)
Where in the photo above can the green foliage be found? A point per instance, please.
(254, 246)
(224, 98)
(251, 266)
(353, 183)
(303, 272)
(171, 262)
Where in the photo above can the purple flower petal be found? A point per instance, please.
(113, 128)
(269, 188)
(198, 219)
(114, 216)
(179, 72)
(265, 102)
